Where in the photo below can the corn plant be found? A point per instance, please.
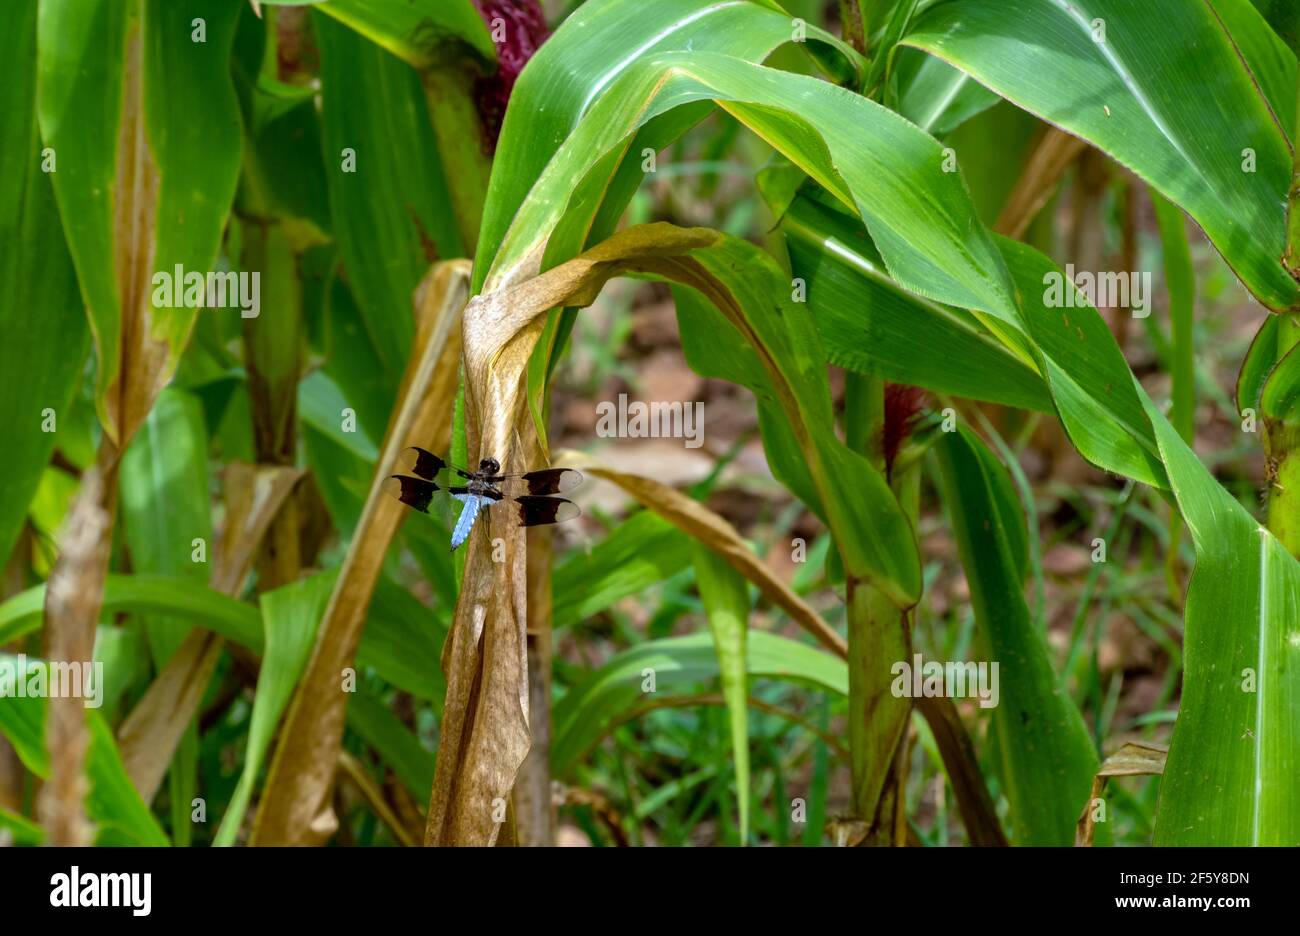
(255, 251)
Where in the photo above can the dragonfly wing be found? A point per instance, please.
(536, 511)
(421, 463)
(415, 493)
(545, 481)
(468, 514)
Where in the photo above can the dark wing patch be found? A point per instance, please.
(415, 493)
(550, 480)
(421, 463)
(536, 511)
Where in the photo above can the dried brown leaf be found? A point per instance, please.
(296, 806)
(1054, 152)
(534, 812)
(76, 584)
(973, 801)
(1134, 759)
(72, 601)
(145, 361)
(374, 797)
(254, 497)
(701, 523)
(149, 735)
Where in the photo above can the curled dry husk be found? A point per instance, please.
(485, 734)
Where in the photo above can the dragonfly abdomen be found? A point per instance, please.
(465, 522)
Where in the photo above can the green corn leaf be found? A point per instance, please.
(163, 490)
(641, 551)
(869, 158)
(46, 338)
(164, 501)
(123, 652)
(399, 749)
(1231, 584)
(398, 642)
(422, 33)
(1231, 774)
(353, 376)
(1113, 423)
(1181, 279)
(1047, 761)
(937, 97)
(290, 615)
(885, 47)
(1088, 381)
(391, 213)
(871, 325)
(23, 830)
(138, 122)
(403, 642)
(1265, 351)
(1284, 17)
(726, 604)
(1096, 395)
(162, 596)
(579, 65)
(121, 817)
(1116, 74)
(795, 413)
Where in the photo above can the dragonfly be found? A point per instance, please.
(527, 499)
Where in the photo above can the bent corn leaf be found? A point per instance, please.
(485, 663)
(1225, 158)
(577, 66)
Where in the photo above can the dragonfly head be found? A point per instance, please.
(490, 466)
